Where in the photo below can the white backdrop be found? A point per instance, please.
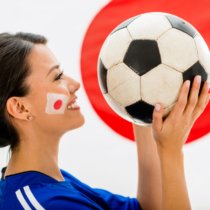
(94, 153)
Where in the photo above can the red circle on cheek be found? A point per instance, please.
(58, 104)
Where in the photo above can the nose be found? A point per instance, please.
(74, 86)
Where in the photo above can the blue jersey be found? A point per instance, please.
(33, 190)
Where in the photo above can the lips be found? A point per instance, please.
(72, 102)
(73, 105)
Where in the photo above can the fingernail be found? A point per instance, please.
(188, 83)
(157, 107)
(198, 79)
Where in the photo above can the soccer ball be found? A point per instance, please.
(145, 60)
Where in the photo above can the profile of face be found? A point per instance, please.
(48, 98)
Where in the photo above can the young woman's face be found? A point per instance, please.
(49, 97)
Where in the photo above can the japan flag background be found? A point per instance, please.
(99, 153)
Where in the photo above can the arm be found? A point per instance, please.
(170, 136)
(175, 195)
(149, 193)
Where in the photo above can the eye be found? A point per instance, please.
(59, 76)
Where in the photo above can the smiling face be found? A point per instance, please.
(48, 99)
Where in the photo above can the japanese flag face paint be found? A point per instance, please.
(56, 103)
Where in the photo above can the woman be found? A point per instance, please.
(38, 105)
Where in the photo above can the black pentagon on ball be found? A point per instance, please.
(124, 24)
(196, 69)
(102, 76)
(142, 56)
(182, 25)
(141, 111)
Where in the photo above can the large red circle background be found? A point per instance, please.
(195, 12)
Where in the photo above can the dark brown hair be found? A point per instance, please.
(14, 70)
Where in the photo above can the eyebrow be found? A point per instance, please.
(53, 68)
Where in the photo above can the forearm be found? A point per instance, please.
(175, 195)
(149, 193)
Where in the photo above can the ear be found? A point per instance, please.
(17, 108)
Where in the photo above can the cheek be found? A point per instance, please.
(56, 103)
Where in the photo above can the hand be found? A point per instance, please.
(171, 134)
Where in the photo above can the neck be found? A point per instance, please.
(36, 155)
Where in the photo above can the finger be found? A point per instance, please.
(193, 98)
(202, 102)
(207, 99)
(157, 122)
(182, 101)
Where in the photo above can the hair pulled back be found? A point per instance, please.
(14, 70)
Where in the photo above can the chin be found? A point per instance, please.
(82, 121)
(79, 122)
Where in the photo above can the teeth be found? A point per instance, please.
(74, 105)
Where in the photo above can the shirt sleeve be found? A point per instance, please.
(117, 202)
(74, 200)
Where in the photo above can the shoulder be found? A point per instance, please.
(69, 177)
(114, 201)
(45, 196)
(74, 181)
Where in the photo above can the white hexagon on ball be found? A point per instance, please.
(149, 26)
(208, 77)
(177, 50)
(115, 47)
(162, 84)
(123, 84)
(168, 109)
(117, 108)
